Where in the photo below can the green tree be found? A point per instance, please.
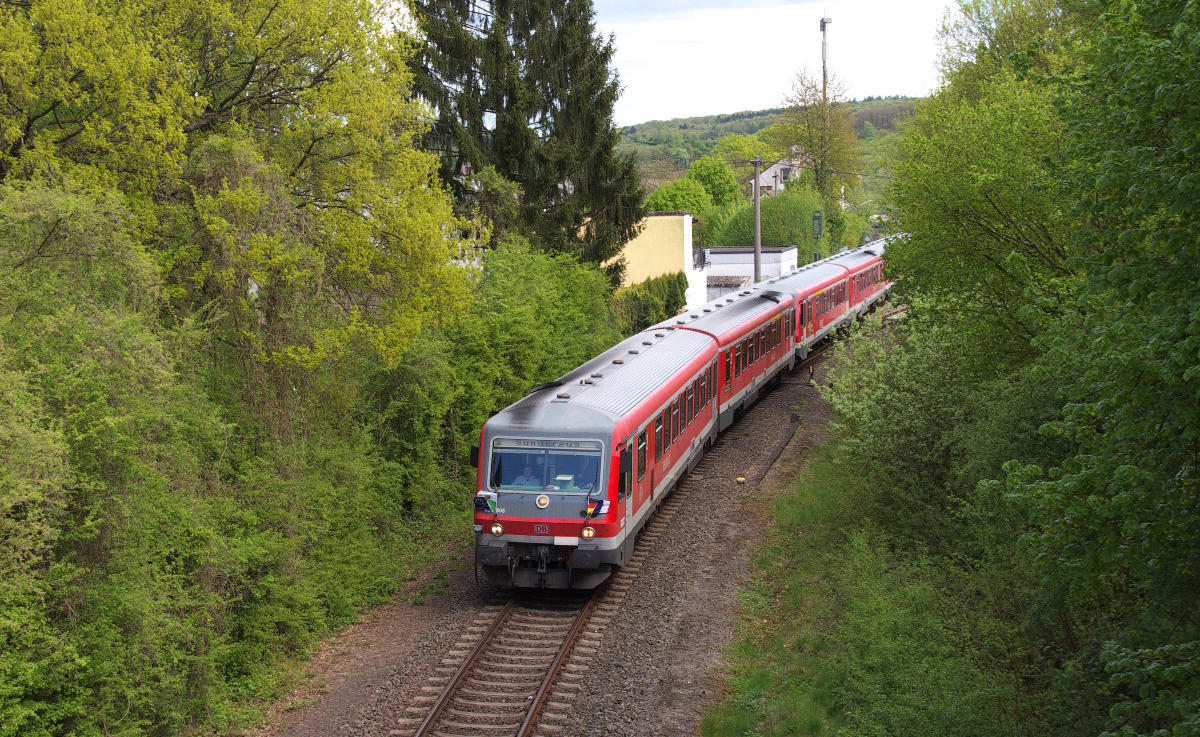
(527, 88)
(1127, 500)
(786, 221)
(816, 128)
(684, 194)
(974, 191)
(739, 150)
(717, 179)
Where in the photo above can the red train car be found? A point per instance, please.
(570, 473)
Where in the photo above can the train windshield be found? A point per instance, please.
(561, 465)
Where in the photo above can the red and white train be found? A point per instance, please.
(569, 474)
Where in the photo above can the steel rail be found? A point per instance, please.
(556, 666)
(457, 678)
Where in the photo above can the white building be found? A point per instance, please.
(775, 177)
(730, 269)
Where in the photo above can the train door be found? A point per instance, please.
(635, 499)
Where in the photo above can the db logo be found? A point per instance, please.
(541, 529)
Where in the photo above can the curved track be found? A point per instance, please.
(516, 670)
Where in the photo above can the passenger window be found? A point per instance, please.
(658, 446)
(641, 456)
(737, 359)
(704, 389)
(666, 418)
(675, 419)
(728, 367)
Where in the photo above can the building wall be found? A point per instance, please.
(740, 261)
(665, 247)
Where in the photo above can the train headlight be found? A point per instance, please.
(497, 528)
(588, 533)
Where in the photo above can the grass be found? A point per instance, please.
(778, 685)
(841, 633)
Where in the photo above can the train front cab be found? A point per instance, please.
(551, 511)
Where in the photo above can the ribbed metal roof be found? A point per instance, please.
(806, 277)
(727, 312)
(622, 386)
(850, 259)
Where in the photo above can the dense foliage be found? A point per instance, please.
(651, 301)
(246, 339)
(1006, 534)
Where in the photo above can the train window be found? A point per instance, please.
(666, 418)
(571, 466)
(737, 359)
(728, 367)
(658, 437)
(688, 407)
(641, 456)
(675, 419)
(704, 389)
(696, 397)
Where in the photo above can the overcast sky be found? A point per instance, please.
(678, 59)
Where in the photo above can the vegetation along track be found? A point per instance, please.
(518, 667)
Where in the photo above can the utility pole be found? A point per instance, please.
(757, 225)
(824, 73)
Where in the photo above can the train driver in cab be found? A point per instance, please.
(527, 479)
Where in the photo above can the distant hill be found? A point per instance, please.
(665, 148)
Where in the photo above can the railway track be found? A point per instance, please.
(517, 669)
(499, 676)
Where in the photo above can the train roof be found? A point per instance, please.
(807, 276)
(727, 312)
(856, 257)
(799, 279)
(569, 407)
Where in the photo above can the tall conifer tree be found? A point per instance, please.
(525, 86)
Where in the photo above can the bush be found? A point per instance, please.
(651, 301)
